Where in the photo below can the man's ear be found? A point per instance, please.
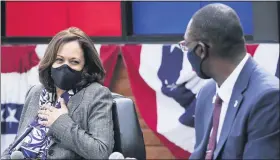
(201, 50)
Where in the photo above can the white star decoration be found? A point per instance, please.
(172, 86)
(11, 117)
(173, 46)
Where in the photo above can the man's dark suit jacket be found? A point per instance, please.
(251, 128)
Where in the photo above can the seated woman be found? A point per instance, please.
(69, 116)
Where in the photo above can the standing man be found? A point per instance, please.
(237, 113)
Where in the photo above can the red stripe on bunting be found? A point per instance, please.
(109, 57)
(145, 96)
(18, 59)
(251, 48)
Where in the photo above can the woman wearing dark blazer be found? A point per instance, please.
(69, 116)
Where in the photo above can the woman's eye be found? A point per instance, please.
(59, 60)
(75, 62)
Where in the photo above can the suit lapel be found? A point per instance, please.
(235, 103)
(208, 112)
(73, 104)
(75, 101)
(209, 121)
(233, 107)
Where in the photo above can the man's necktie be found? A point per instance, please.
(213, 138)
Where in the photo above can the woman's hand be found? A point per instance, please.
(50, 114)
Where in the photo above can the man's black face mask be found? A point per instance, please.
(196, 61)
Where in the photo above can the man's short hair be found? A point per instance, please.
(219, 25)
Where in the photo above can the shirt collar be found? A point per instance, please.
(226, 88)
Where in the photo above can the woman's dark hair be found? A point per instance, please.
(93, 70)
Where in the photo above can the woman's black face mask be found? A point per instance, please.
(65, 77)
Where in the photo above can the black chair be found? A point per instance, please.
(127, 132)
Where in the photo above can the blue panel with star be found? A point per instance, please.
(10, 116)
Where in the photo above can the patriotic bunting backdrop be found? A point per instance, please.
(161, 78)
